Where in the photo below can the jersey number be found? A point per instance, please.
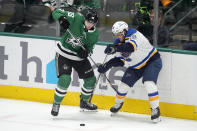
(71, 14)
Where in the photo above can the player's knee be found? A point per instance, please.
(150, 86)
(64, 81)
(90, 82)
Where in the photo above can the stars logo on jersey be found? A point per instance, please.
(73, 41)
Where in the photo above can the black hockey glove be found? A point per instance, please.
(111, 49)
(114, 62)
(82, 53)
(103, 68)
(64, 23)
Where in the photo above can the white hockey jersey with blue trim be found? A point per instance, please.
(143, 50)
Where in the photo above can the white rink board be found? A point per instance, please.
(176, 83)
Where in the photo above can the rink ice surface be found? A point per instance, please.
(18, 115)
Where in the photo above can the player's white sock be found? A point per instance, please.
(152, 93)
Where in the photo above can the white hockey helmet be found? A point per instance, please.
(119, 27)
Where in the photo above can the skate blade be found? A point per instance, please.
(113, 114)
(86, 110)
(157, 120)
(54, 115)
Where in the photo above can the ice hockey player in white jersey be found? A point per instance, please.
(134, 51)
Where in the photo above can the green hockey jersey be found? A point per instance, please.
(69, 46)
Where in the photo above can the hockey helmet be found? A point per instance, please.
(119, 27)
(91, 16)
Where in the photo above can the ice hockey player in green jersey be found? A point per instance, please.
(70, 54)
(71, 5)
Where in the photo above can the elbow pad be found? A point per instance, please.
(115, 62)
(125, 47)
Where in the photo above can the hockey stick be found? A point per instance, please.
(79, 42)
(97, 80)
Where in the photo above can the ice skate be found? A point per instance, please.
(55, 109)
(87, 106)
(114, 109)
(155, 117)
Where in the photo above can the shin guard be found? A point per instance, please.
(87, 88)
(122, 92)
(60, 90)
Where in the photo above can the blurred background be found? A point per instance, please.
(176, 23)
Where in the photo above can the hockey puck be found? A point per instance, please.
(82, 124)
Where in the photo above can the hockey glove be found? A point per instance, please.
(111, 49)
(64, 23)
(114, 62)
(103, 68)
(82, 53)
